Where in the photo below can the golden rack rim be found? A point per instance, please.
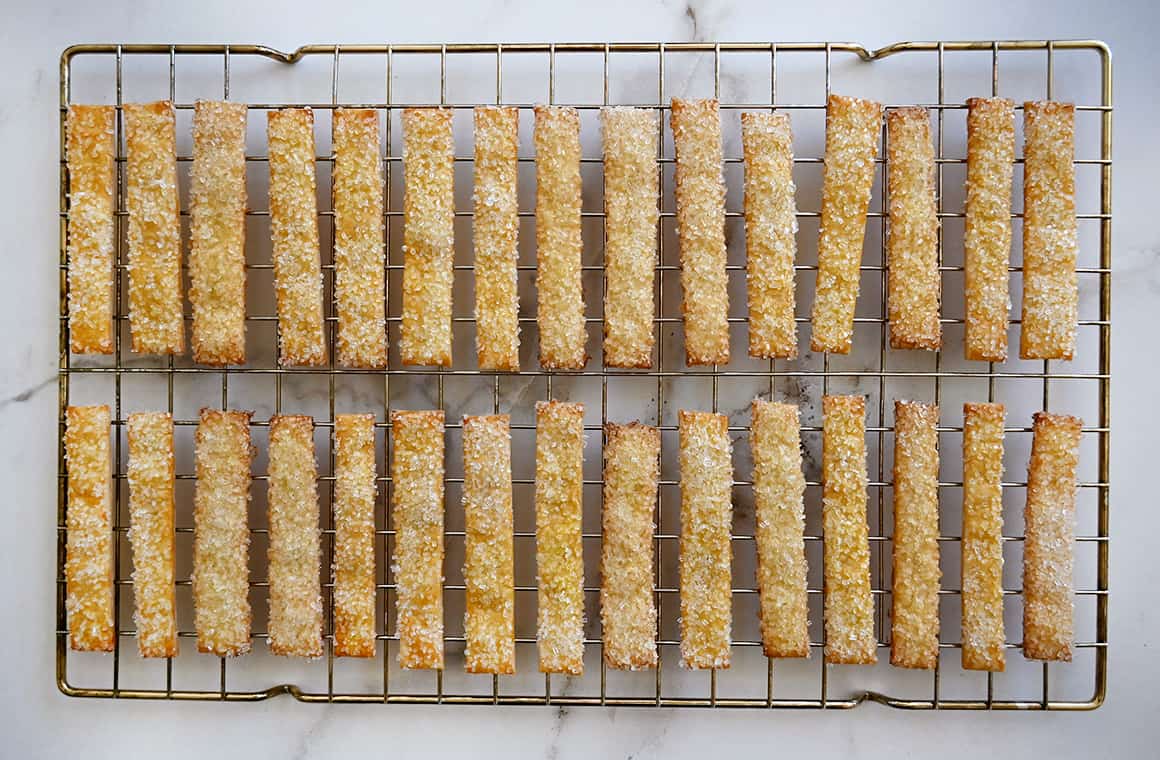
(1102, 377)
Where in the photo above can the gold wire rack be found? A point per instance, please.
(800, 684)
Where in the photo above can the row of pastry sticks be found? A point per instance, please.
(631, 474)
(631, 190)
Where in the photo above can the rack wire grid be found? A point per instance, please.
(791, 77)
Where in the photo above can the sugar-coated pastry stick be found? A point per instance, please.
(495, 231)
(151, 478)
(1050, 238)
(852, 129)
(914, 284)
(295, 627)
(417, 503)
(294, 234)
(221, 535)
(987, 232)
(628, 611)
(706, 463)
(559, 546)
(92, 187)
(916, 574)
(155, 313)
(982, 547)
(778, 490)
(631, 188)
(428, 236)
(217, 233)
(849, 603)
(89, 522)
(700, 197)
(559, 284)
(770, 234)
(1048, 549)
(359, 289)
(354, 535)
(489, 622)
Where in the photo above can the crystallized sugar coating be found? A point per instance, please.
(294, 232)
(852, 129)
(982, 547)
(631, 187)
(155, 316)
(1050, 242)
(428, 235)
(700, 197)
(91, 227)
(559, 545)
(559, 284)
(778, 490)
(495, 230)
(627, 608)
(354, 535)
(151, 537)
(849, 604)
(914, 283)
(987, 233)
(295, 626)
(89, 559)
(221, 535)
(916, 574)
(359, 289)
(417, 504)
(1048, 549)
(770, 234)
(489, 622)
(706, 553)
(217, 233)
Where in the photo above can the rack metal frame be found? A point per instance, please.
(121, 369)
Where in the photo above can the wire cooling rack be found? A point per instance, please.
(793, 77)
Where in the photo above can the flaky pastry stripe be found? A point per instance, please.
(914, 284)
(700, 198)
(217, 233)
(489, 622)
(849, 603)
(89, 522)
(1050, 237)
(417, 504)
(92, 187)
(983, 633)
(495, 235)
(706, 464)
(987, 231)
(156, 322)
(1048, 548)
(354, 535)
(628, 612)
(295, 627)
(221, 534)
(770, 234)
(559, 546)
(294, 234)
(852, 129)
(559, 284)
(428, 236)
(916, 575)
(151, 537)
(359, 258)
(778, 492)
(631, 187)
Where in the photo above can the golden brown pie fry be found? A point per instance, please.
(89, 522)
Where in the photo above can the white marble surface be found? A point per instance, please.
(35, 721)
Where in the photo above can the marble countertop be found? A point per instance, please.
(36, 721)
